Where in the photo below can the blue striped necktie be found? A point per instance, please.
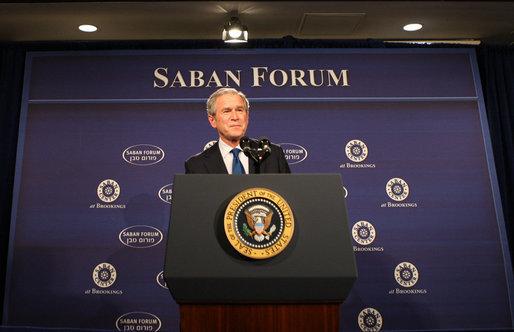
(237, 167)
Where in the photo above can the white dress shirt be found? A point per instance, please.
(228, 156)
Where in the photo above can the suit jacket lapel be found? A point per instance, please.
(214, 162)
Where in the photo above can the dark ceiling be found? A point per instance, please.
(463, 21)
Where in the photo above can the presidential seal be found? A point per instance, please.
(406, 274)
(397, 189)
(258, 223)
(356, 150)
(370, 320)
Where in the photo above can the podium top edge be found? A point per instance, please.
(266, 174)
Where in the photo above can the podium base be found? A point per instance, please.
(259, 317)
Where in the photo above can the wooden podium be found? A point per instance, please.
(259, 317)
(219, 289)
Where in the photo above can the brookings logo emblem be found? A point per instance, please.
(397, 189)
(370, 320)
(363, 233)
(259, 223)
(356, 150)
(108, 190)
(104, 275)
(406, 274)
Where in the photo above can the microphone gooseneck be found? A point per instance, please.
(258, 153)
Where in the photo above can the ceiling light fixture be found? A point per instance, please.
(412, 27)
(235, 32)
(87, 28)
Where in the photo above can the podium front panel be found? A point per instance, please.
(318, 265)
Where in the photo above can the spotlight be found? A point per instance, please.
(412, 27)
(235, 32)
(87, 28)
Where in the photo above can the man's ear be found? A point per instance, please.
(212, 121)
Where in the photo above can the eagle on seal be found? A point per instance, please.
(259, 223)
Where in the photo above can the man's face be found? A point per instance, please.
(231, 118)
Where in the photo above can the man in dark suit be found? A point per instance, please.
(228, 112)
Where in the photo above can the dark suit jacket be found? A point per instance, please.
(210, 161)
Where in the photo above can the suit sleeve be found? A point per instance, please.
(282, 162)
(194, 165)
(186, 166)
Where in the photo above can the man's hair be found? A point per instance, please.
(211, 102)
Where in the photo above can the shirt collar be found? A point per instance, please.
(225, 148)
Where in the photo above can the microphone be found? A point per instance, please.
(264, 148)
(257, 154)
(264, 144)
(244, 142)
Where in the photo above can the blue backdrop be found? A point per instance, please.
(103, 133)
